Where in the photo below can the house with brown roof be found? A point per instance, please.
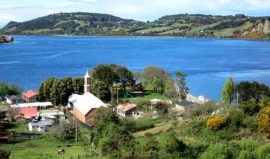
(127, 110)
(30, 96)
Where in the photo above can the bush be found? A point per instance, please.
(264, 122)
(244, 154)
(216, 123)
(220, 151)
(4, 154)
(263, 152)
(250, 107)
(137, 125)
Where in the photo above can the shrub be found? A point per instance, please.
(264, 122)
(250, 107)
(220, 151)
(244, 154)
(263, 152)
(4, 154)
(216, 123)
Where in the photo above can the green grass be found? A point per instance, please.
(150, 95)
(159, 128)
(46, 149)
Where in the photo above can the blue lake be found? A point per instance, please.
(207, 62)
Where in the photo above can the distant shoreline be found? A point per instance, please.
(133, 36)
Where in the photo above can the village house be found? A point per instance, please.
(84, 106)
(27, 112)
(52, 114)
(14, 99)
(42, 125)
(30, 96)
(127, 109)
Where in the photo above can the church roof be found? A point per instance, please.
(86, 102)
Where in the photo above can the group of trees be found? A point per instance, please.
(104, 76)
(9, 89)
(244, 91)
(153, 78)
(157, 79)
(58, 90)
(113, 138)
(108, 79)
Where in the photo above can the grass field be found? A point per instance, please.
(46, 149)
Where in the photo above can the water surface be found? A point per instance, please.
(207, 62)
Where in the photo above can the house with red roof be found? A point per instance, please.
(28, 112)
(127, 110)
(30, 96)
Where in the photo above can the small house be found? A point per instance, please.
(30, 96)
(28, 112)
(127, 110)
(52, 114)
(13, 99)
(42, 125)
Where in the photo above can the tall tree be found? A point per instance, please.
(153, 76)
(46, 88)
(124, 75)
(107, 74)
(99, 89)
(65, 89)
(181, 84)
(228, 91)
(78, 85)
(54, 94)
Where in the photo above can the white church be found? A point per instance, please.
(84, 106)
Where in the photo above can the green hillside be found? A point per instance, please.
(181, 25)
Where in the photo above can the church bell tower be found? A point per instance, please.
(87, 82)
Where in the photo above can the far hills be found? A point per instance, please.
(180, 25)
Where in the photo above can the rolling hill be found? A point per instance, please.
(180, 25)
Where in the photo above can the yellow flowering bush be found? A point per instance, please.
(216, 123)
(264, 122)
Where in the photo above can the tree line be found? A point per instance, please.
(244, 91)
(108, 79)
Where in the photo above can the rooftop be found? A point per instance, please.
(126, 107)
(30, 93)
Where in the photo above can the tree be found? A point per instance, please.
(78, 85)
(124, 75)
(99, 89)
(3, 89)
(181, 84)
(65, 89)
(170, 89)
(46, 87)
(54, 94)
(155, 78)
(228, 91)
(251, 90)
(13, 89)
(106, 74)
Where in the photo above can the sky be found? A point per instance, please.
(23, 10)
